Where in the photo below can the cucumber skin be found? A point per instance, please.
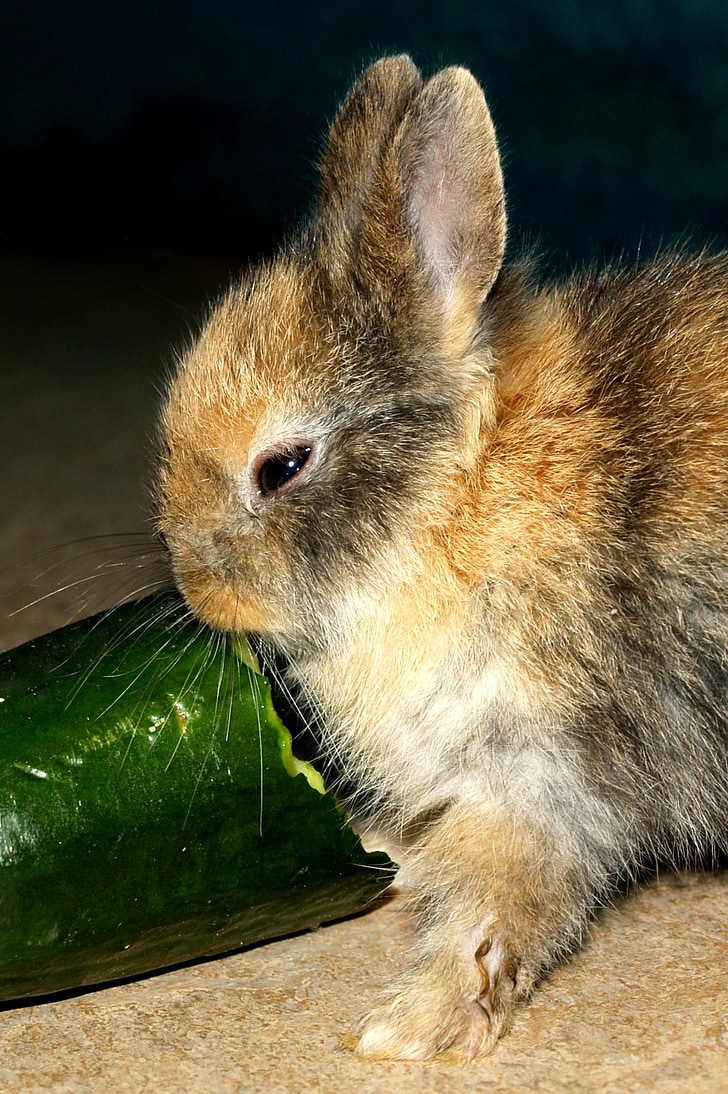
(133, 830)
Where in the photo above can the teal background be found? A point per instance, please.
(196, 125)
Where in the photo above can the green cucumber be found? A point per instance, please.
(151, 809)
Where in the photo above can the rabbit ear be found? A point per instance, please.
(454, 195)
(412, 204)
(363, 127)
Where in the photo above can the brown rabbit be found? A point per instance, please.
(486, 523)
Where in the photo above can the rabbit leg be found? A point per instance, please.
(498, 898)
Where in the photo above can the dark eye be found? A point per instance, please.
(278, 468)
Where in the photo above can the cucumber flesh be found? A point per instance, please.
(150, 810)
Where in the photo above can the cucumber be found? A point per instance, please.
(151, 809)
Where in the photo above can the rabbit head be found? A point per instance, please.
(339, 393)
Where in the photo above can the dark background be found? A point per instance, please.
(149, 148)
(194, 125)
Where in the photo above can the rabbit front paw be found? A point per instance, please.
(439, 1008)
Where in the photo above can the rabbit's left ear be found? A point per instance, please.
(453, 191)
(411, 211)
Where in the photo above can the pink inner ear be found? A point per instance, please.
(434, 211)
(450, 169)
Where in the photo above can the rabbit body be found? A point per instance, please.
(485, 521)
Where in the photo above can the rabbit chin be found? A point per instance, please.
(227, 609)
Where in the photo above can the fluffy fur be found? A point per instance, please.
(499, 576)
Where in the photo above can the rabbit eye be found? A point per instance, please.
(277, 469)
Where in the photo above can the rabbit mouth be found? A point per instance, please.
(222, 607)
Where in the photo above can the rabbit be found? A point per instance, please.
(483, 519)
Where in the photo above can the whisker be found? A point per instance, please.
(214, 641)
(55, 592)
(98, 572)
(254, 683)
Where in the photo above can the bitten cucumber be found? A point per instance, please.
(150, 809)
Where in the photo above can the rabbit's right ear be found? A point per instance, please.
(363, 127)
(452, 188)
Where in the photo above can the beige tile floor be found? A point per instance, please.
(644, 1007)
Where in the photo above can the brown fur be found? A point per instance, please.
(497, 564)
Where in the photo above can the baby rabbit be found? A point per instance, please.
(485, 522)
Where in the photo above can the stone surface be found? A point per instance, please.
(643, 1007)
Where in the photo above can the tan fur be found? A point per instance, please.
(485, 523)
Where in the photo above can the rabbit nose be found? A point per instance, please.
(223, 551)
